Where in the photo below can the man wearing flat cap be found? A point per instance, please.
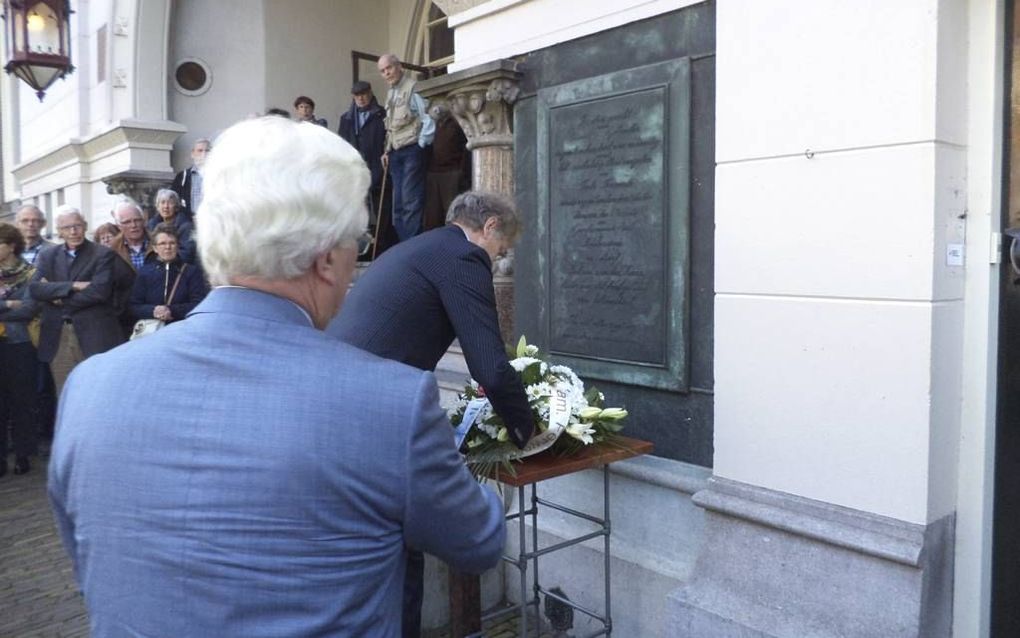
(363, 127)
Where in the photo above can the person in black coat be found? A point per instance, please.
(364, 128)
(412, 301)
(154, 295)
(188, 183)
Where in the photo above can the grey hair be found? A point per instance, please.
(276, 195)
(201, 140)
(32, 207)
(126, 202)
(66, 210)
(473, 208)
(389, 57)
(164, 194)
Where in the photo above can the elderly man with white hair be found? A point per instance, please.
(270, 479)
(75, 284)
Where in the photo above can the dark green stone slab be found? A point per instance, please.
(613, 207)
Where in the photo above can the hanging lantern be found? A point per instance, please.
(38, 37)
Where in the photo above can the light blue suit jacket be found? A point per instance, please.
(241, 473)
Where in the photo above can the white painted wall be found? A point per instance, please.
(838, 328)
(230, 38)
(318, 64)
(100, 95)
(984, 121)
(504, 28)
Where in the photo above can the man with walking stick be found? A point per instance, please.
(363, 127)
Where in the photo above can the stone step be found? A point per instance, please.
(453, 360)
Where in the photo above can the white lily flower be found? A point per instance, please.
(613, 413)
(520, 363)
(582, 432)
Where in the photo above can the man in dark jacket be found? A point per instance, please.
(411, 303)
(76, 285)
(363, 127)
(188, 183)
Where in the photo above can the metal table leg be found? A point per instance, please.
(522, 621)
(606, 526)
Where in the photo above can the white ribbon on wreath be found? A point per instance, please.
(559, 418)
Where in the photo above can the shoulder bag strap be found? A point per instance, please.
(180, 272)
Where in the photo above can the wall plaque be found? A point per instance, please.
(613, 166)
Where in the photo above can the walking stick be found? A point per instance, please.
(378, 212)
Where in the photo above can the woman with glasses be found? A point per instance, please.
(105, 234)
(167, 288)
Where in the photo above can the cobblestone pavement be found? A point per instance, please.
(38, 596)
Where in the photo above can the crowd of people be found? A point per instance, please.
(246, 430)
(77, 297)
(289, 468)
(66, 300)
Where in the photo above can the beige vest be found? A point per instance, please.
(402, 125)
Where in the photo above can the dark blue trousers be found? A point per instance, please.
(17, 397)
(407, 168)
(414, 593)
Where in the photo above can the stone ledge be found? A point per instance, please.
(671, 475)
(870, 534)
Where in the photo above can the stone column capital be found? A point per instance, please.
(481, 99)
(141, 188)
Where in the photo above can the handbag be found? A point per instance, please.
(145, 327)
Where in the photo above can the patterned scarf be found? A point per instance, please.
(12, 278)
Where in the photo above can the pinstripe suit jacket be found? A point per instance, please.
(420, 294)
(267, 488)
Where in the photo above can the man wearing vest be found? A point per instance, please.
(409, 129)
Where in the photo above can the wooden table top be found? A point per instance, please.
(547, 465)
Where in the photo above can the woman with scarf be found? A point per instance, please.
(17, 352)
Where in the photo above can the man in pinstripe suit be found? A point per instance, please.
(411, 303)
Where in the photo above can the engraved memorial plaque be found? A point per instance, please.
(614, 214)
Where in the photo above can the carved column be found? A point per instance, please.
(142, 189)
(481, 99)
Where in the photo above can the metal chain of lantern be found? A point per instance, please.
(38, 39)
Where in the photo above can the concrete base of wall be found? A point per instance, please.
(777, 565)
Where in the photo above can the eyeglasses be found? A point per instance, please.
(365, 242)
(72, 227)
